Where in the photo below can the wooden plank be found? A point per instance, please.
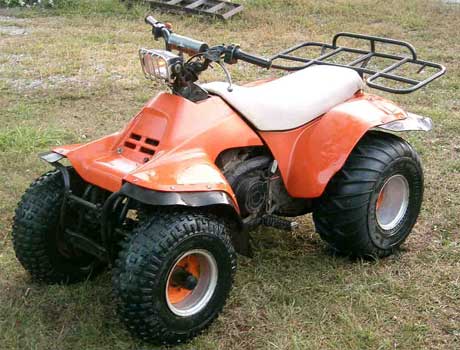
(196, 7)
(195, 4)
(216, 8)
(233, 12)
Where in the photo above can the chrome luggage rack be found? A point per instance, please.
(362, 60)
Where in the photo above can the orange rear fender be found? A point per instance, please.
(309, 156)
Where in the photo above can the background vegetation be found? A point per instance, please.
(71, 74)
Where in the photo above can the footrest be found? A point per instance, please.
(82, 202)
(276, 222)
(87, 245)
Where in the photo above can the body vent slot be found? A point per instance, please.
(152, 142)
(147, 151)
(130, 145)
(140, 146)
(136, 137)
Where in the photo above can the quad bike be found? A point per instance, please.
(169, 199)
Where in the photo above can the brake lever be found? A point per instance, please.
(227, 75)
(214, 54)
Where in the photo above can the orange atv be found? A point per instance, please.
(169, 199)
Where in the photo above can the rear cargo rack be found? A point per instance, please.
(362, 60)
(218, 8)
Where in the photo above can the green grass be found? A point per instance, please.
(75, 75)
(26, 140)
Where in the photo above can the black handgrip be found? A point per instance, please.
(253, 59)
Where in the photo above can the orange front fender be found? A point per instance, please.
(190, 170)
(170, 146)
(309, 156)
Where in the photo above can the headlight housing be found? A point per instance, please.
(160, 64)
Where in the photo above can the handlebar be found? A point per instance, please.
(253, 59)
(193, 47)
(151, 20)
(175, 41)
(188, 45)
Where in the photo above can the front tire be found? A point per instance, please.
(173, 275)
(37, 239)
(371, 205)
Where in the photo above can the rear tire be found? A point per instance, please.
(39, 246)
(371, 205)
(173, 275)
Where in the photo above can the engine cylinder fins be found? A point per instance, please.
(251, 193)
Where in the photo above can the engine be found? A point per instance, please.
(258, 186)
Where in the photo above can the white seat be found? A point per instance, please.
(293, 100)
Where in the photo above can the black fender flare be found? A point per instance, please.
(217, 201)
(190, 199)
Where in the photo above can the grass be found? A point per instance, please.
(30, 139)
(74, 75)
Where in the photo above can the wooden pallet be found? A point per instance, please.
(217, 8)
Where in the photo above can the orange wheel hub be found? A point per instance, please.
(190, 264)
(380, 199)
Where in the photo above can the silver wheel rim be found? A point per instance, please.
(199, 297)
(392, 202)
